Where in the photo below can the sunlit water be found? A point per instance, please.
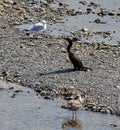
(24, 110)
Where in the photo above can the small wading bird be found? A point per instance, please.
(74, 105)
(77, 63)
(37, 28)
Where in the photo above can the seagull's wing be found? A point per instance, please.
(36, 27)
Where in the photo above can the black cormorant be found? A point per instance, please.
(77, 63)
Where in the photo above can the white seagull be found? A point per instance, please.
(37, 28)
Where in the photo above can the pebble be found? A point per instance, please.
(1, 8)
(112, 13)
(1, 78)
(83, 2)
(18, 91)
(97, 20)
(13, 96)
(89, 10)
(96, 45)
(114, 125)
(8, 1)
(63, 50)
(17, 75)
(85, 29)
(9, 80)
(55, 91)
(61, 4)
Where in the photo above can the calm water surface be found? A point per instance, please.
(21, 108)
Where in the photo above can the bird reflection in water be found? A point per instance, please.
(66, 125)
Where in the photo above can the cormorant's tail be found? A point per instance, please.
(86, 68)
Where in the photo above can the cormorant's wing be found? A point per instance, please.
(75, 59)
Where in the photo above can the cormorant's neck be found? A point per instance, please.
(69, 45)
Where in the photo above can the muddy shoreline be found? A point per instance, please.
(42, 64)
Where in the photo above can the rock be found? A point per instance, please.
(83, 2)
(47, 97)
(21, 10)
(90, 105)
(61, 4)
(114, 125)
(63, 50)
(18, 91)
(118, 14)
(17, 75)
(1, 78)
(85, 29)
(96, 45)
(55, 92)
(111, 13)
(89, 10)
(8, 1)
(94, 109)
(97, 20)
(79, 11)
(13, 96)
(9, 80)
(1, 7)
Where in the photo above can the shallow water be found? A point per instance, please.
(76, 23)
(21, 108)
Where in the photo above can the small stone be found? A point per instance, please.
(63, 50)
(97, 20)
(118, 87)
(47, 97)
(21, 10)
(13, 96)
(79, 11)
(17, 91)
(85, 29)
(1, 78)
(54, 77)
(55, 91)
(68, 97)
(8, 1)
(5, 73)
(22, 46)
(94, 109)
(83, 2)
(9, 80)
(17, 75)
(90, 105)
(114, 125)
(61, 4)
(118, 14)
(89, 10)
(11, 88)
(111, 13)
(38, 90)
(1, 7)
(96, 45)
